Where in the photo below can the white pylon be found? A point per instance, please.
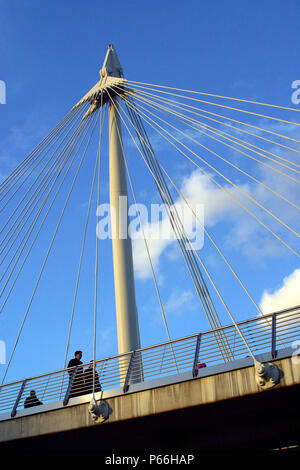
(126, 311)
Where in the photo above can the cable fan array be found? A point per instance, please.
(193, 129)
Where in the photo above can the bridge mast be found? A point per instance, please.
(126, 310)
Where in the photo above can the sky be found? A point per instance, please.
(50, 56)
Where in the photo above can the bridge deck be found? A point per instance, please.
(171, 381)
(234, 383)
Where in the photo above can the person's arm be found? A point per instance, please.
(70, 372)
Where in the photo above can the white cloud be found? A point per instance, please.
(107, 338)
(198, 188)
(179, 302)
(160, 143)
(199, 192)
(242, 83)
(287, 295)
(19, 142)
(245, 234)
(156, 246)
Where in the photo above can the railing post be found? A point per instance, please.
(195, 370)
(71, 381)
(273, 347)
(126, 384)
(14, 410)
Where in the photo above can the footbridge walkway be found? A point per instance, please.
(188, 385)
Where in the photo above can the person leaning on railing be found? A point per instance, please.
(32, 400)
(78, 382)
(89, 375)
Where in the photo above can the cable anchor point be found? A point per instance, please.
(99, 413)
(267, 375)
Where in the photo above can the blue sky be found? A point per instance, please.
(50, 55)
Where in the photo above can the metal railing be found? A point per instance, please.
(263, 334)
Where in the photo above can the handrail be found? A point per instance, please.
(146, 363)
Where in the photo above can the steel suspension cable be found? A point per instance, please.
(248, 145)
(224, 106)
(231, 139)
(46, 257)
(192, 265)
(210, 177)
(231, 164)
(75, 119)
(33, 201)
(216, 289)
(217, 96)
(73, 140)
(46, 215)
(147, 249)
(208, 234)
(27, 177)
(206, 148)
(183, 105)
(147, 145)
(216, 246)
(189, 109)
(189, 256)
(44, 142)
(97, 250)
(55, 137)
(81, 259)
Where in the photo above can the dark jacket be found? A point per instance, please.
(88, 379)
(78, 382)
(32, 400)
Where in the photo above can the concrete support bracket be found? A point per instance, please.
(267, 375)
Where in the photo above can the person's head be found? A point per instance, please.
(78, 354)
(92, 363)
(32, 393)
